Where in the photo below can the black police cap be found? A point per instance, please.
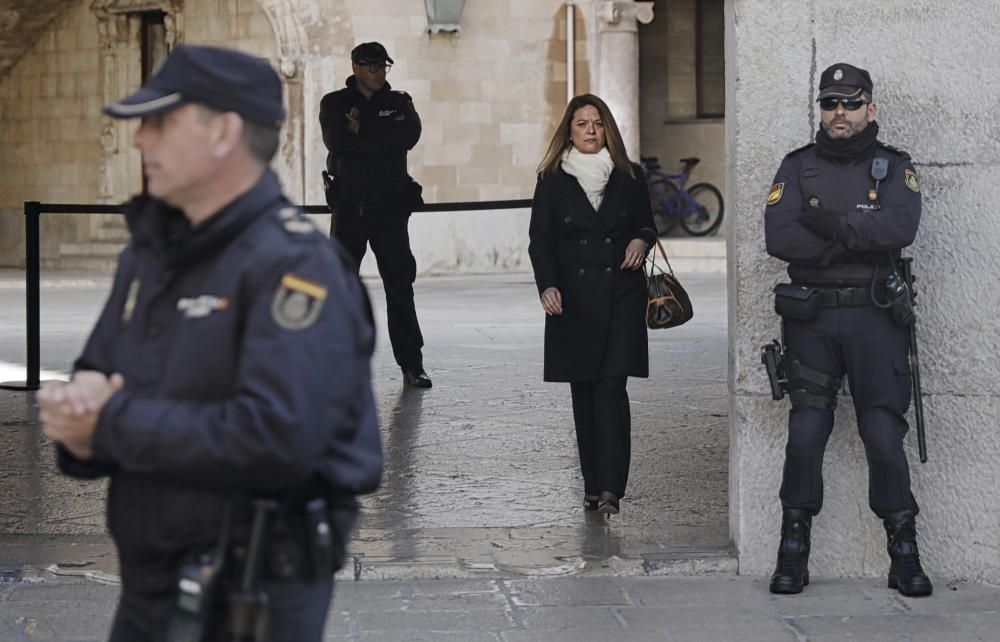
(370, 52)
(844, 81)
(223, 79)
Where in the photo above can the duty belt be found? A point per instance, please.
(844, 297)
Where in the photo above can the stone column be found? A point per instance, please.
(616, 57)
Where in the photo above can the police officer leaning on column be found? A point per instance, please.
(230, 364)
(836, 226)
(368, 128)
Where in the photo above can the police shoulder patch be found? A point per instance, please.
(299, 226)
(896, 150)
(297, 302)
(775, 194)
(911, 180)
(130, 300)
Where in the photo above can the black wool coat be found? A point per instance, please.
(602, 330)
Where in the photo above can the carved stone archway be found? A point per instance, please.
(307, 32)
(286, 21)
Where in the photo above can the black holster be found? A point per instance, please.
(331, 190)
(786, 376)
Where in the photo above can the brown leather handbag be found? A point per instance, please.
(668, 304)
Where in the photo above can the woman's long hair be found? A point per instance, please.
(561, 140)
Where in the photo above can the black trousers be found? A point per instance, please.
(297, 613)
(384, 226)
(863, 343)
(603, 433)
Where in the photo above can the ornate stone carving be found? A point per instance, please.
(105, 9)
(623, 16)
(288, 20)
(285, 17)
(118, 75)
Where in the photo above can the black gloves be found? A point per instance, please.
(828, 224)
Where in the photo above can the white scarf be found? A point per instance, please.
(591, 171)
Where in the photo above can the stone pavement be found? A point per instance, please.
(575, 609)
(477, 531)
(482, 476)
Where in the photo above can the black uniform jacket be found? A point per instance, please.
(245, 347)
(602, 330)
(867, 228)
(371, 163)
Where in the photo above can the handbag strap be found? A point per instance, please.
(652, 259)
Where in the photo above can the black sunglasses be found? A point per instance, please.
(850, 104)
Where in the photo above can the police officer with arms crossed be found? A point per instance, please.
(226, 387)
(368, 128)
(839, 211)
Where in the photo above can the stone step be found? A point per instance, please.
(90, 250)
(117, 232)
(88, 264)
(708, 247)
(695, 255)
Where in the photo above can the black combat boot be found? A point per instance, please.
(905, 572)
(792, 570)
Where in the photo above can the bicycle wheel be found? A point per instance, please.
(663, 199)
(703, 211)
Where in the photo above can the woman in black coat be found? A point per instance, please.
(591, 227)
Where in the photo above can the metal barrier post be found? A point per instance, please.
(33, 211)
(33, 293)
(32, 299)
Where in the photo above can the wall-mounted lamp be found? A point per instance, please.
(444, 15)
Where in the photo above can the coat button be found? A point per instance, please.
(607, 270)
(567, 220)
(607, 241)
(153, 330)
(580, 272)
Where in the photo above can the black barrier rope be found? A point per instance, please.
(32, 258)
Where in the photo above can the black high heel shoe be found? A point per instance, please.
(608, 503)
(590, 502)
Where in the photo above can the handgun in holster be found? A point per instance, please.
(328, 528)
(331, 190)
(772, 356)
(319, 539)
(198, 590)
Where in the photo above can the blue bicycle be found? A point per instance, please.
(698, 208)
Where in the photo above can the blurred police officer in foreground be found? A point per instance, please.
(368, 128)
(225, 388)
(838, 212)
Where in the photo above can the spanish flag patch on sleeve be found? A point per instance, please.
(775, 194)
(297, 302)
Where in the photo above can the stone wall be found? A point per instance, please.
(488, 98)
(49, 132)
(932, 67)
(50, 141)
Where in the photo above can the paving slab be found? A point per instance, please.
(575, 609)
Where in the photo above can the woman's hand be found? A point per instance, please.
(635, 254)
(551, 301)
